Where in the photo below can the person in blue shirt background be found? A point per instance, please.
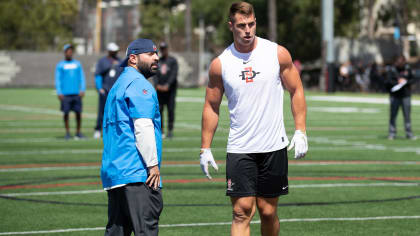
(70, 86)
(132, 151)
(107, 72)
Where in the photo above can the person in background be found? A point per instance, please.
(399, 78)
(106, 73)
(166, 85)
(70, 86)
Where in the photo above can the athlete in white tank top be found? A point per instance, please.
(255, 98)
(251, 72)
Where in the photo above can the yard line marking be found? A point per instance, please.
(348, 99)
(40, 110)
(362, 144)
(338, 145)
(345, 110)
(337, 185)
(345, 99)
(49, 168)
(53, 193)
(203, 180)
(175, 164)
(53, 231)
(92, 151)
(62, 140)
(221, 223)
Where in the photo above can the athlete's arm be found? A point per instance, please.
(82, 81)
(291, 81)
(210, 118)
(58, 82)
(293, 84)
(214, 94)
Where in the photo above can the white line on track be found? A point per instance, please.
(221, 223)
(337, 185)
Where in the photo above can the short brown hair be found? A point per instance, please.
(242, 8)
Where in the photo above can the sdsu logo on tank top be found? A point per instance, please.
(255, 98)
(248, 75)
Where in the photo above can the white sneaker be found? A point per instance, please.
(97, 134)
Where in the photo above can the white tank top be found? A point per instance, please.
(255, 99)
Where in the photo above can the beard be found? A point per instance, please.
(146, 69)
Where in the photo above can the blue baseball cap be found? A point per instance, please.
(67, 46)
(138, 46)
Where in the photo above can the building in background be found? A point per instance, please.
(106, 21)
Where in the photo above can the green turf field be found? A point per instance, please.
(353, 180)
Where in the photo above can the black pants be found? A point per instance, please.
(405, 103)
(134, 208)
(168, 99)
(101, 107)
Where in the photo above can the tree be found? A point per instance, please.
(36, 25)
(298, 22)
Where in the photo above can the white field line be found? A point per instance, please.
(338, 144)
(345, 99)
(40, 110)
(360, 144)
(188, 139)
(54, 168)
(345, 110)
(337, 185)
(49, 168)
(93, 151)
(221, 223)
(352, 99)
(81, 168)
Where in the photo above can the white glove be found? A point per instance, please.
(300, 143)
(205, 157)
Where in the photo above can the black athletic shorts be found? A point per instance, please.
(134, 208)
(257, 174)
(71, 103)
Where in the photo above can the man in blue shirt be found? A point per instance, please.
(107, 72)
(70, 86)
(133, 146)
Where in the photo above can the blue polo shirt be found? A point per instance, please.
(132, 96)
(69, 78)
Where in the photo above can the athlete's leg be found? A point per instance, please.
(267, 208)
(101, 108)
(161, 99)
(406, 108)
(171, 111)
(395, 104)
(243, 209)
(78, 122)
(66, 123)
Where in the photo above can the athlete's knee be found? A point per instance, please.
(243, 212)
(242, 215)
(268, 215)
(267, 210)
